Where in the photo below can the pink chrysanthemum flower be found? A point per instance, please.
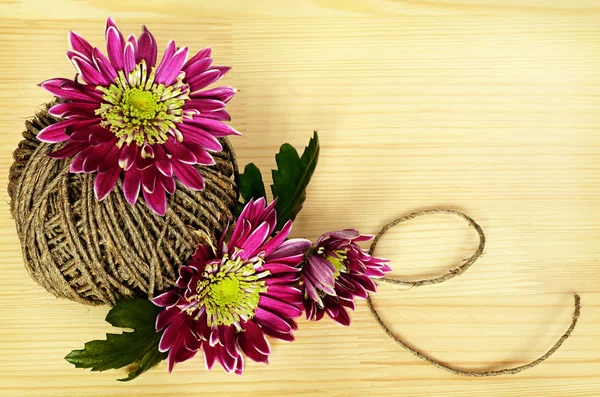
(153, 122)
(228, 300)
(336, 271)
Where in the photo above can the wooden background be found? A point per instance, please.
(485, 106)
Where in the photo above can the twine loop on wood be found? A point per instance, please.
(97, 252)
(451, 274)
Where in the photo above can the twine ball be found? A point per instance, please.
(97, 252)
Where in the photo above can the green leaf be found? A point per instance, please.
(251, 186)
(291, 178)
(119, 350)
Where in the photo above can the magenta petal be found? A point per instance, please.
(131, 185)
(166, 317)
(197, 67)
(67, 89)
(157, 200)
(105, 182)
(148, 176)
(80, 44)
(179, 151)
(203, 53)
(127, 156)
(269, 320)
(55, 132)
(204, 105)
(96, 157)
(131, 39)
(115, 47)
(223, 94)
(217, 128)
(69, 150)
(77, 163)
(199, 136)
(202, 80)
(292, 247)
(254, 334)
(88, 72)
(103, 65)
(110, 160)
(201, 155)
(255, 240)
(147, 48)
(188, 175)
(278, 307)
(169, 52)
(209, 356)
(168, 182)
(173, 68)
(172, 331)
(167, 299)
(64, 110)
(278, 239)
(162, 161)
(129, 58)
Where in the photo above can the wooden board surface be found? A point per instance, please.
(485, 106)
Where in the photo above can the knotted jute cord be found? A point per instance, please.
(97, 252)
(453, 273)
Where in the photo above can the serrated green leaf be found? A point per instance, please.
(251, 183)
(119, 350)
(291, 178)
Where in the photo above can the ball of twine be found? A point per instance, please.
(97, 252)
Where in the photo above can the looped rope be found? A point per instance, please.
(451, 274)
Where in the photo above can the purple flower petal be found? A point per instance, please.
(254, 240)
(56, 132)
(203, 53)
(188, 175)
(157, 200)
(162, 161)
(69, 150)
(167, 299)
(167, 182)
(169, 52)
(215, 127)
(127, 156)
(197, 67)
(223, 94)
(201, 155)
(69, 109)
(110, 160)
(199, 136)
(172, 331)
(202, 80)
(96, 156)
(115, 47)
(204, 105)
(147, 48)
(179, 151)
(280, 308)
(67, 89)
(293, 247)
(131, 185)
(271, 321)
(173, 68)
(148, 177)
(88, 72)
(80, 44)
(105, 182)
(128, 58)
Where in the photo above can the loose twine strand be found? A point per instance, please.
(451, 274)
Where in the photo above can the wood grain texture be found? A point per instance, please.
(485, 106)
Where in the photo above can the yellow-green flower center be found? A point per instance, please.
(337, 261)
(138, 109)
(230, 291)
(139, 105)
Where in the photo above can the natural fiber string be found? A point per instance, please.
(97, 252)
(453, 273)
